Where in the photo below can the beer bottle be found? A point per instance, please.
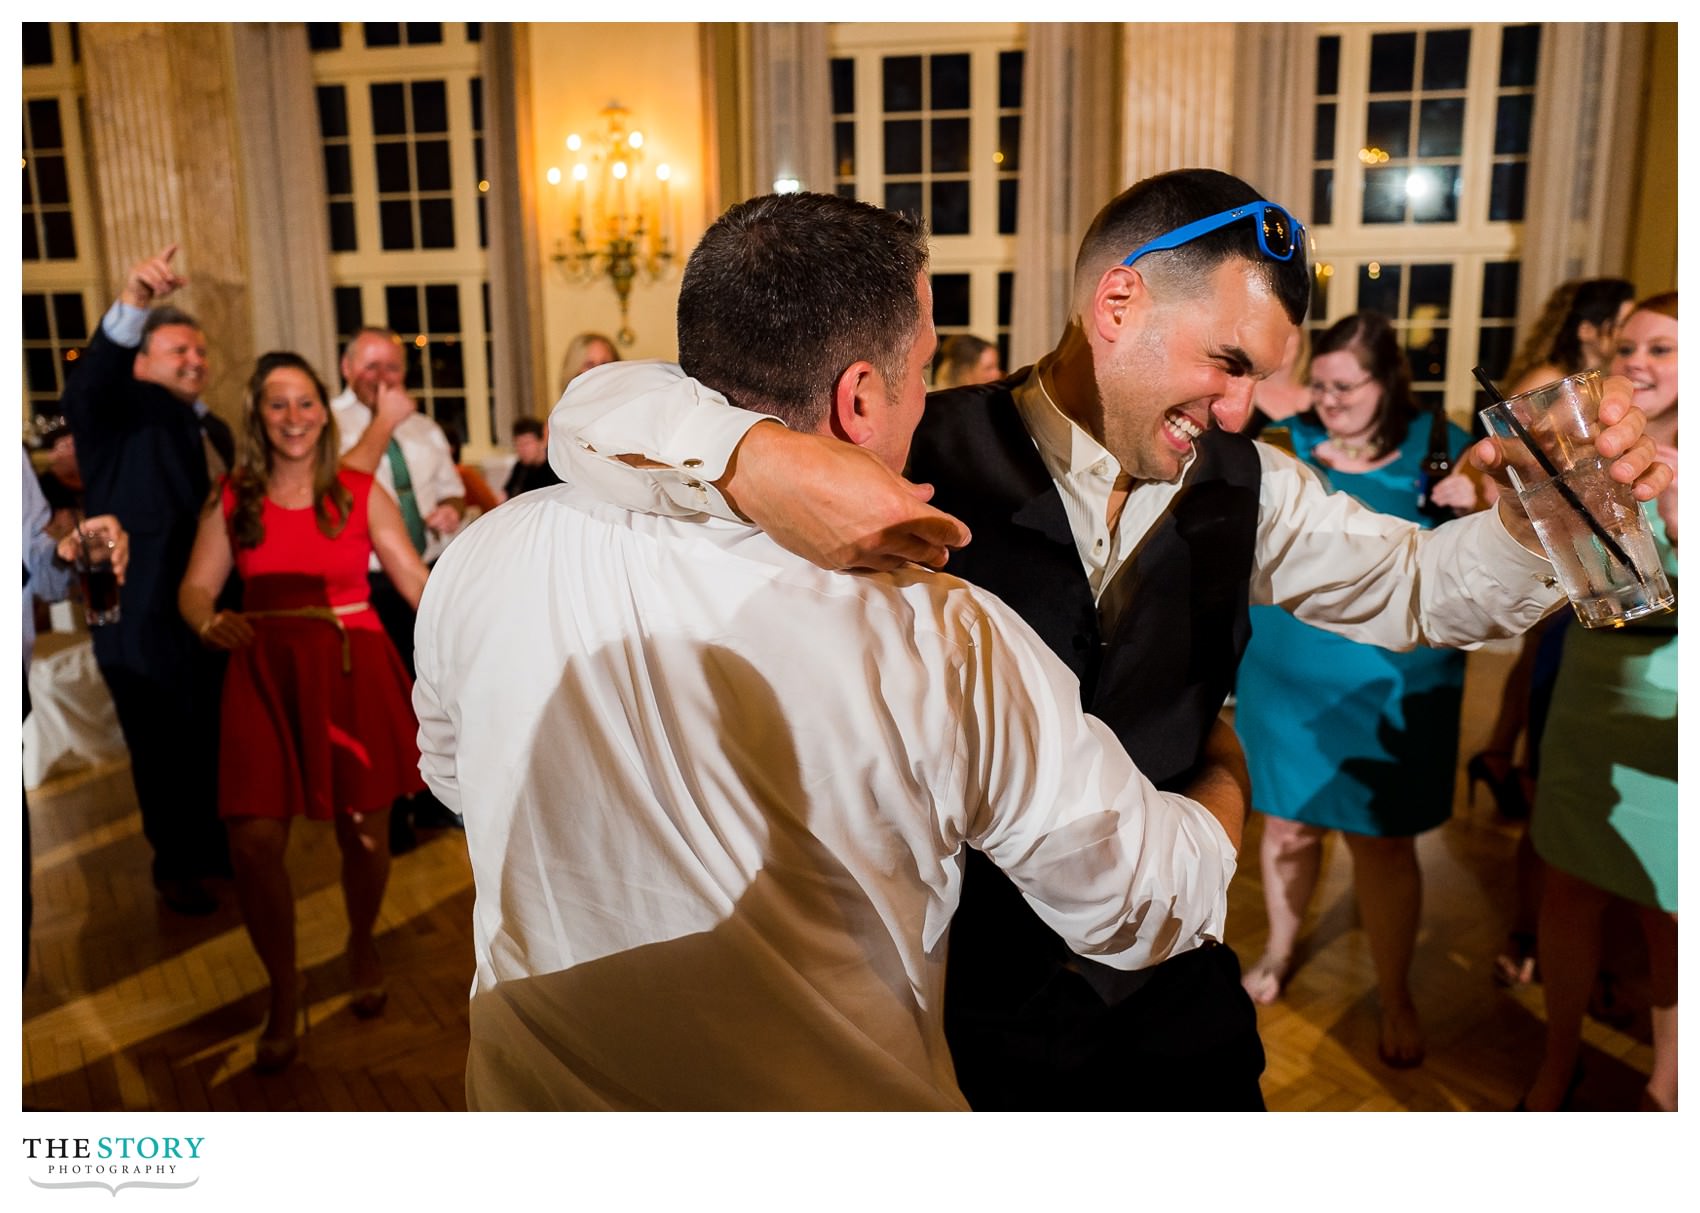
(1437, 466)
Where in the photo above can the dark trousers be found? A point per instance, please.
(1185, 1041)
(171, 728)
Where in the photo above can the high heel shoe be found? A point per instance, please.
(275, 1053)
(367, 1002)
(1506, 785)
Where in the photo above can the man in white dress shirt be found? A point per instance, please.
(418, 470)
(716, 798)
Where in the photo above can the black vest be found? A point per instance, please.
(1158, 679)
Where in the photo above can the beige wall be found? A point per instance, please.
(655, 71)
(1652, 240)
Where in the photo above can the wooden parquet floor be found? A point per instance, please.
(129, 1007)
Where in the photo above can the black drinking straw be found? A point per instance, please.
(1564, 490)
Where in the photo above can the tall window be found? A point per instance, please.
(1419, 159)
(927, 119)
(61, 275)
(401, 123)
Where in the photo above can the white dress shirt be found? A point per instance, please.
(1324, 556)
(424, 448)
(716, 799)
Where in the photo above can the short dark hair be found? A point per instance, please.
(527, 425)
(159, 317)
(785, 291)
(1374, 342)
(958, 354)
(1157, 205)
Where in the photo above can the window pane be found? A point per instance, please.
(1392, 63)
(436, 223)
(449, 411)
(1322, 197)
(1378, 289)
(29, 190)
(904, 196)
(1384, 195)
(50, 183)
(1512, 123)
(1507, 200)
(1010, 65)
(1431, 289)
(35, 318)
(1446, 58)
(414, 376)
(401, 305)
(424, 33)
(32, 241)
(903, 145)
(1428, 359)
(68, 317)
(1008, 194)
(45, 131)
(1499, 288)
(446, 367)
(38, 364)
(339, 174)
(38, 43)
(950, 300)
(389, 110)
(395, 224)
(950, 145)
(1433, 190)
(346, 301)
(432, 158)
(1006, 297)
(845, 190)
(1389, 127)
(1008, 155)
(902, 80)
(950, 82)
(430, 106)
(475, 31)
(1519, 53)
(844, 148)
(1328, 65)
(843, 86)
(333, 111)
(59, 236)
(382, 33)
(475, 90)
(1323, 143)
(442, 308)
(1440, 127)
(394, 176)
(324, 35)
(1493, 350)
(950, 208)
(343, 239)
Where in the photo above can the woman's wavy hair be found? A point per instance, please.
(1554, 339)
(1371, 338)
(252, 474)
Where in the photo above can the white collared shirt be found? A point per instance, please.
(430, 463)
(1330, 560)
(716, 799)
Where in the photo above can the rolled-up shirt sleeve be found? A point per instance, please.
(1341, 566)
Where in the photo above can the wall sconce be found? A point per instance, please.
(619, 221)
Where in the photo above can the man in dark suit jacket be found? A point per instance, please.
(148, 447)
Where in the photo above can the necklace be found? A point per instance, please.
(1353, 450)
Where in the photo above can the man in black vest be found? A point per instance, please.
(1114, 506)
(148, 447)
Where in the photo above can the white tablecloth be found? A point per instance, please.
(72, 723)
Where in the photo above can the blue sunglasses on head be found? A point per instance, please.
(1279, 235)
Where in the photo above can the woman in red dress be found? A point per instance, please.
(317, 719)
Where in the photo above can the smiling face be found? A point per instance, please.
(1646, 356)
(1347, 398)
(1184, 361)
(175, 358)
(293, 415)
(374, 361)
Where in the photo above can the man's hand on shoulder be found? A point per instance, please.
(834, 504)
(151, 279)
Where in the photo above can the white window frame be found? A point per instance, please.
(371, 268)
(982, 253)
(1347, 244)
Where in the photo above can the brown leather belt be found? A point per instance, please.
(330, 614)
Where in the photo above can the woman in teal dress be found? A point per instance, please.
(1605, 805)
(1347, 736)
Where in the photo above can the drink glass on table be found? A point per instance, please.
(99, 579)
(1594, 531)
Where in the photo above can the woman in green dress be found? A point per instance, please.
(1605, 805)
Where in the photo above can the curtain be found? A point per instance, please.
(1274, 100)
(1069, 136)
(791, 105)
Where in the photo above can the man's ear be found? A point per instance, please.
(1122, 292)
(858, 389)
